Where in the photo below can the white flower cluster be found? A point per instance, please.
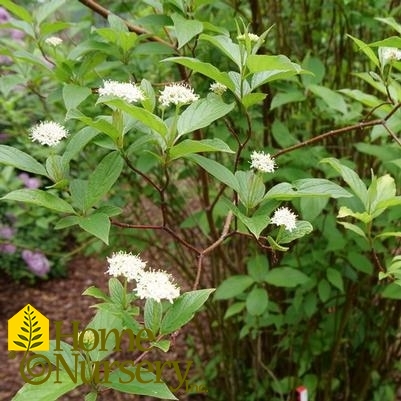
(54, 41)
(126, 264)
(150, 284)
(252, 37)
(262, 162)
(177, 94)
(389, 54)
(218, 88)
(124, 90)
(48, 133)
(157, 285)
(284, 217)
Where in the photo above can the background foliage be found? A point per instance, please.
(316, 314)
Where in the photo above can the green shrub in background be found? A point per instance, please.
(232, 187)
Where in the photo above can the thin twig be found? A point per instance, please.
(104, 12)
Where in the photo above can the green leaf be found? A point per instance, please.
(105, 319)
(393, 41)
(45, 10)
(335, 279)
(234, 309)
(308, 187)
(95, 292)
(380, 191)
(354, 228)
(351, 178)
(103, 178)
(189, 146)
(203, 68)
(392, 291)
(99, 123)
(77, 142)
(47, 391)
(390, 21)
(66, 221)
(144, 116)
(40, 198)
(367, 50)
(345, 212)
(233, 286)
(226, 46)
(151, 387)
(153, 315)
(185, 29)
(201, 114)
(97, 224)
(74, 95)
(286, 277)
(20, 12)
(14, 157)
(255, 224)
(252, 98)
(117, 292)
(324, 290)
(301, 229)
(251, 188)
(216, 169)
(262, 63)
(183, 310)
(333, 99)
(256, 301)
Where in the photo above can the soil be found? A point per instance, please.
(61, 299)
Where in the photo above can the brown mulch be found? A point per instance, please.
(61, 299)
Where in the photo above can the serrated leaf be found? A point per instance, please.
(233, 286)
(40, 198)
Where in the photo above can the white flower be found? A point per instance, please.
(284, 217)
(177, 94)
(389, 54)
(54, 41)
(218, 88)
(157, 285)
(48, 133)
(125, 264)
(262, 162)
(127, 91)
(252, 37)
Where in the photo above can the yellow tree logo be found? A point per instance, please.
(28, 330)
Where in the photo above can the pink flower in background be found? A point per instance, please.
(6, 233)
(29, 182)
(36, 262)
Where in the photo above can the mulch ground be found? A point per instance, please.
(61, 299)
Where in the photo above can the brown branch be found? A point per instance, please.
(104, 12)
(362, 125)
(223, 236)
